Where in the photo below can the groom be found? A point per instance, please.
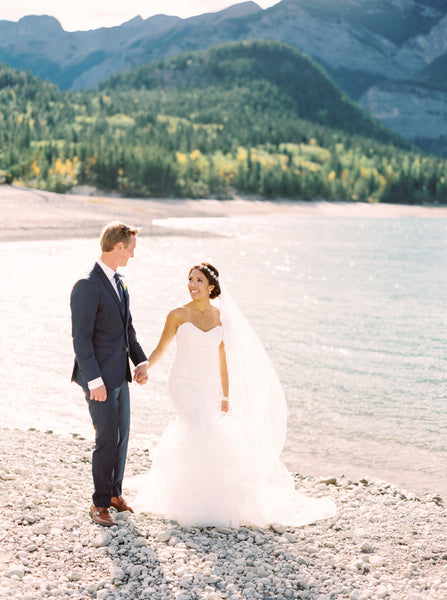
(104, 339)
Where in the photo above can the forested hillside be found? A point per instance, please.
(280, 80)
(257, 117)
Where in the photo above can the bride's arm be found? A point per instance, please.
(169, 331)
(225, 405)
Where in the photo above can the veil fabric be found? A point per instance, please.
(256, 395)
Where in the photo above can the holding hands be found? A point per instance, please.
(140, 374)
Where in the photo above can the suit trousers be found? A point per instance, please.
(111, 420)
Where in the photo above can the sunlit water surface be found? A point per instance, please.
(351, 310)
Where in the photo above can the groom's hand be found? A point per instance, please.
(99, 394)
(140, 374)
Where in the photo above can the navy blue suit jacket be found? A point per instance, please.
(103, 337)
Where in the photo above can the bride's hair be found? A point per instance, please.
(212, 276)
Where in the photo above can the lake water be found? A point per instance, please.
(351, 310)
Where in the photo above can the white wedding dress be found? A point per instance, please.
(204, 470)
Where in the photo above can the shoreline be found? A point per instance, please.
(383, 542)
(28, 214)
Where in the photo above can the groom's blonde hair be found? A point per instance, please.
(116, 232)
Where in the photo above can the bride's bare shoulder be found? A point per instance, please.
(177, 315)
(216, 315)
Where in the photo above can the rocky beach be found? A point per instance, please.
(384, 542)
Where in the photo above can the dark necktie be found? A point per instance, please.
(119, 285)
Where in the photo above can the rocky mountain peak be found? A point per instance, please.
(39, 26)
(241, 10)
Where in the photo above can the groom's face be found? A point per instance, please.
(124, 253)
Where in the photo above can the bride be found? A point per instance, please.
(218, 463)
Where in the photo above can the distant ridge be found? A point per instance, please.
(390, 55)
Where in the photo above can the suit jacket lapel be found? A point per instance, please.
(111, 289)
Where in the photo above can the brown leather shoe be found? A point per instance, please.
(102, 516)
(120, 504)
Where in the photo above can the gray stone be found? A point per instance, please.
(122, 517)
(278, 528)
(118, 573)
(136, 570)
(16, 571)
(139, 542)
(164, 536)
(102, 539)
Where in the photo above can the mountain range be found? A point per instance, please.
(388, 55)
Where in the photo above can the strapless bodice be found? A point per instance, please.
(194, 379)
(198, 349)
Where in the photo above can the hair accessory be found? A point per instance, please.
(208, 270)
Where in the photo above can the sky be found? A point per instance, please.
(92, 14)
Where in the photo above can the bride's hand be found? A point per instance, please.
(225, 405)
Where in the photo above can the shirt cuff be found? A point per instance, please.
(95, 383)
(145, 362)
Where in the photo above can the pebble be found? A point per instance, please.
(376, 561)
(139, 542)
(164, 536)
(16, 571)
(383, 543)
(103, 538)
(278, 528)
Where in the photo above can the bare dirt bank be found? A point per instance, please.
(28, 214)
